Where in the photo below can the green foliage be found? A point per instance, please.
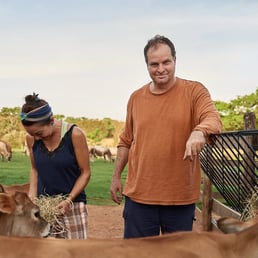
(96, 130)
(109, 127)
(59, 117)
(96, 135)
(11, 128)
(17, 172)
(232, 113)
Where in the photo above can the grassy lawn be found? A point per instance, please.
(17, 172)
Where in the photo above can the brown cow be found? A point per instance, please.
(19, 216)
(5, 150)
(11, 189)
(243, 244)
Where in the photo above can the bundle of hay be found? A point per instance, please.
(251, 208)
(50, 212)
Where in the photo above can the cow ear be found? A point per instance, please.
(21, 198)
(2, 189)
(7, 204)
(230, 225)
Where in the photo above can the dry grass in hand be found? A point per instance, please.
(50, 212)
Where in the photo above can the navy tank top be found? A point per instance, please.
(57, 170)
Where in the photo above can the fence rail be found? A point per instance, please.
(231, 164)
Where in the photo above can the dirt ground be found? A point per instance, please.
(107, 221)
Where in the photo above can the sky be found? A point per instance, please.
(86, 57)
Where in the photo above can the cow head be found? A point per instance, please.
(232, 225)
(10, 156)
(19, 216)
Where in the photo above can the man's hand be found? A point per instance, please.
(116, 190)
(194, 145)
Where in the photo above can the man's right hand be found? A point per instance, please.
(116, 190)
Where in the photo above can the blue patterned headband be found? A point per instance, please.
(37, 114)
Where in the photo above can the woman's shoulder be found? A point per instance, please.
(76, 131)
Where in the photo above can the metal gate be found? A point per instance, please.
(231, 163)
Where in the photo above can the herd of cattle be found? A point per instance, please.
(23, 233)
(95, 152)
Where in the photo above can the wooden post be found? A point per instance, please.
(249, 121)
(207, 204)
(249, 171)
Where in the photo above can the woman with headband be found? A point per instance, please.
(59, 163)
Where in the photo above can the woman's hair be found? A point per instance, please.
(35, 110)
(156, 40)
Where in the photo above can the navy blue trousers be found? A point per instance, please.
(142, 220)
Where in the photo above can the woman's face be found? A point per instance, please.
(40, 131)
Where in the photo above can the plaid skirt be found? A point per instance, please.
(72, 225)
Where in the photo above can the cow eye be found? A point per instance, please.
(37, 214)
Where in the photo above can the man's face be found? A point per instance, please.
(161, 65)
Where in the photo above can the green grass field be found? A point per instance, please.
(17, 172)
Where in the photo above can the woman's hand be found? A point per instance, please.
(65, 205)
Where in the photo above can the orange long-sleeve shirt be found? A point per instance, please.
(156, 130)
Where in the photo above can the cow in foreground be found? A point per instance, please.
(243, 244)
(19, 216)
(11, 189)
(231, 225)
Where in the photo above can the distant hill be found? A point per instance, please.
(98, 132)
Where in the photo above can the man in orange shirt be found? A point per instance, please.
(168, 122)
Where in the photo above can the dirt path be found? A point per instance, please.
(107, 222)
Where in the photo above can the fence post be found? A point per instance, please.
(206, 204)
(249, 121)
(249, 171)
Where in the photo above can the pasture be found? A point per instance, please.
(17, 172)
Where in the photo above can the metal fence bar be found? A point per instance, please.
(231, 163)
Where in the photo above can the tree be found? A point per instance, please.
(232, 113)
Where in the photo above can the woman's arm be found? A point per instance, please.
(33, 172)
(82, 157)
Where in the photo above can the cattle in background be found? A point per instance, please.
(113, 151)
(100, 151)
(19, 216)
(243, 244)
(26, 149)
(5, 150)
